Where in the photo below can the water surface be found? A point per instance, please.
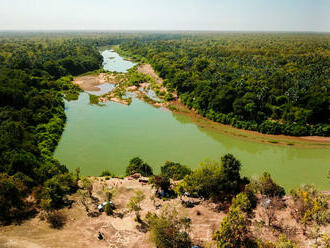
(112, 61)
(106, 137)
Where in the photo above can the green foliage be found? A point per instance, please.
(93, 99)
(107, 173)
(214, 180)
(169, 229)
(265, 185)
(284, 242)
(138, 78)
(35, 73)
(87, 184)
(137, 165)
(271, 83)
(174, 171)
(233, 229)
(54, 191)
(242, 202)
(11, 196)
(134, 203)
(310, 206)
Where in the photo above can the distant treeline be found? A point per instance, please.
(266, 82)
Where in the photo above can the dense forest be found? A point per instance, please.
(35, 73)
(266, 82)
(272, 83)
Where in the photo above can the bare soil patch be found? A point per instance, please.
(89, 82)
(120, 230)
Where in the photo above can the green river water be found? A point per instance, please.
(106, 137)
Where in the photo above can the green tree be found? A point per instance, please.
(268, 187)
(233, 230)
(11, 196)
(169, 229)
(175, 171)
(137, 165)
(219, 181)
(54, 191)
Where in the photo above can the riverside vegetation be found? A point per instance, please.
(281, 86)
(271, 83)
(34, 76)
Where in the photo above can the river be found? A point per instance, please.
(106, 137)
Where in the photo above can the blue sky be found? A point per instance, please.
(236, 15)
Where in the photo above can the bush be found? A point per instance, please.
(175, 171)
(310, 206)
(107, 173)
(268, 187)
(233, 230)
(169, 229)
(11, 196)
(54, 191)
(242, 202)
(135, 201)
(137, 165)
(284, 242)
(134, 204)
(56, 219)
(160, 183)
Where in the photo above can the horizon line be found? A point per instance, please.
(158, 30)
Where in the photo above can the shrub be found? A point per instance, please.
(233, 230)
(242, 202)
(11, 196)
(284, 242)
(135, 201)
(160, 183)
(54, 191)
(310, 206)
(268, 187)
(137, 165)
(107, 173)
(56, 219)
(169, 229)
(134, 204)
(175, 171)
(88, 185)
